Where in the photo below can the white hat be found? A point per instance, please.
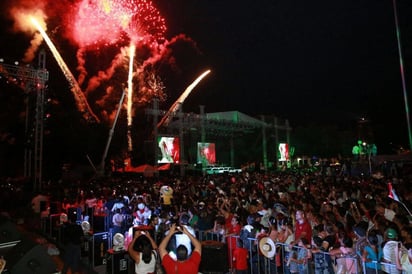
(140, 206)
(267, 247)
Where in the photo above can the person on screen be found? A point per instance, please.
(170, 150)
(207, 155)
(164, 149)
(284, 152)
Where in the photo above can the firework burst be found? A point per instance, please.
(109, 28)
(107, 22)
(147, 24)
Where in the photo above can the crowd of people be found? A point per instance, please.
(332, 222)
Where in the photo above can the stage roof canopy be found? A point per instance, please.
(235, 117)
(220, 123)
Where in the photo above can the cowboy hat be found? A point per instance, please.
(267, 247)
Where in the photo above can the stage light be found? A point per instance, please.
(85, 227)
(118, 242)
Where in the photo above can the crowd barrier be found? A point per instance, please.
(317, 262)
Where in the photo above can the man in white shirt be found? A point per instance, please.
(117, 205)
(404, 259)
(117, 220)
(389, 252)
(181, 238)
(265, 212)
(143, 215)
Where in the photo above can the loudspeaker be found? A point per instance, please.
(214, 257)
(118, 262)
(29, 257)
(99, 243)
(8, 231)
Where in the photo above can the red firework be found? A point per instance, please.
(147, 24)
(107, 22)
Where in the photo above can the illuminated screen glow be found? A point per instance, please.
(169, 149)
(206, 153)
(283, 152)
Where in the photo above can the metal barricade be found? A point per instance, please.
(316, 262)
(203, 235)
(347, 264)
(306, 261)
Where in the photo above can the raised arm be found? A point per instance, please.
(133, 253)
(149, 236)
(165, 241)
(224, 207)
(195, 242)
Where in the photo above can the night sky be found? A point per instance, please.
(304, 61)
(322, 61)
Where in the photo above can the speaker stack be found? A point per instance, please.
(98, 245)
(29, 257)
(8, 232)
(20, 253)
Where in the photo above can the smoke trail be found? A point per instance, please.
(81, 62)
(92, 26)
(81, 101)
(165, 52)
(107, 114)
(96, 80)
(21, 23)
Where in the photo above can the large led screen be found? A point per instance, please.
(206, 153)
(283, 152)
(169, 150)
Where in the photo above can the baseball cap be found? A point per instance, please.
(391, 233)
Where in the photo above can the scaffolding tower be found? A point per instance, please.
(34, 80)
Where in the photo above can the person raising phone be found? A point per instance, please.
(184, 263)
